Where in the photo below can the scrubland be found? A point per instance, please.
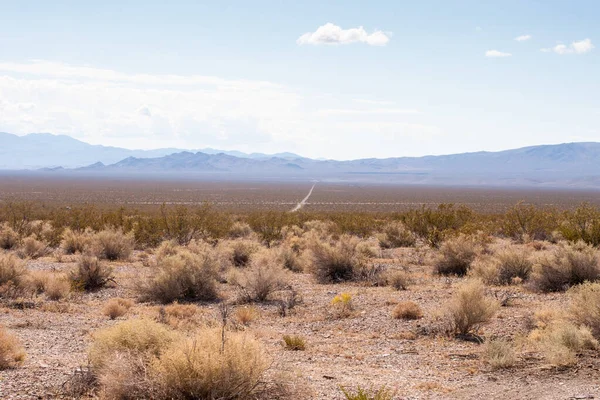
(195, 302)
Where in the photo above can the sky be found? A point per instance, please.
(328, 79)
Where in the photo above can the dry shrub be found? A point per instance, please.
(167, 248)
(179, 316)
(240, 230)
(290, 259)
(264, 277)
(116, 307)
(399, 280)
(9, 239)
(470, 307)
(294, 342)
(499, 353)
(485, 268)
(568, 265)
(33, 248)
(513, 263)
(74, 242)
(183, 276)
(395, 235)
(125, 377)
(585, 306)
(11, 352)
(561, 341)
(456, 255)
(320, 228)
(407, 310)
(383, 393)
(137, 337)
(57, 287)
(245, 315)
(205, 367)
(12, 274)
(338, 262)
(111, 244)
(90, 274)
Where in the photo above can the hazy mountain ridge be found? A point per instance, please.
(44, 150)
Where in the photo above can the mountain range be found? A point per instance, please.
(44, 150)
(569, 165)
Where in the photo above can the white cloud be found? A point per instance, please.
(580, 47)
(333, 34)
(523, 38)
(148, 111)
(496, 54)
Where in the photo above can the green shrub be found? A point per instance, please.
(294, 342)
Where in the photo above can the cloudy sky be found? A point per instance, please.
(335, 79)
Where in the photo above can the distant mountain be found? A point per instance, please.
(44, 150)
(575, 165)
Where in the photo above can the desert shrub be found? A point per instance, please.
(568, 265)
(238, 252)
(183, 276)
(12, 272)
(111, 244)
(245, 315)
(338, 262)
(470, 307)
(499, 353)
(116, 307)
(526, 222)
(240, 230)
(399, 280)
(585, 306)
(294, 342)
(456, 256)
(433, 225)
(582, 224)
(395, 235)
(290, 259)
(141, 338)
(74, 242)
(321, 228)
(11, 351)
(407, 310)
(90, 274)
(57, 287)
(33, 248)
(513, 263)
(9, 239)
(360, 393)
(264, 277)
(561, 341)
(342, 305)
(205, 367)
(485, 268)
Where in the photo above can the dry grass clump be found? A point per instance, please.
(561, 341)
(399, 280)
(294, 342)
(395, 234)
(183, 276)
(9, 239)
(499, 353)
(33, 248)
(57, 287)
(112, 244)
(117, 307)
(74, 242)
(568, 265)
(90, 274)
(338, 262)
(245, 315)
(407, 310)
(585, 306)
(11, 351)
(470, 307)
(456, 256)
(262, 278)
(361, 393)
(145, 359)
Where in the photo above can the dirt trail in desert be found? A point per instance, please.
(301, 204)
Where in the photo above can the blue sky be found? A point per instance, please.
(426, 77)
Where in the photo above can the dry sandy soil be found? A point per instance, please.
(369, 348)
